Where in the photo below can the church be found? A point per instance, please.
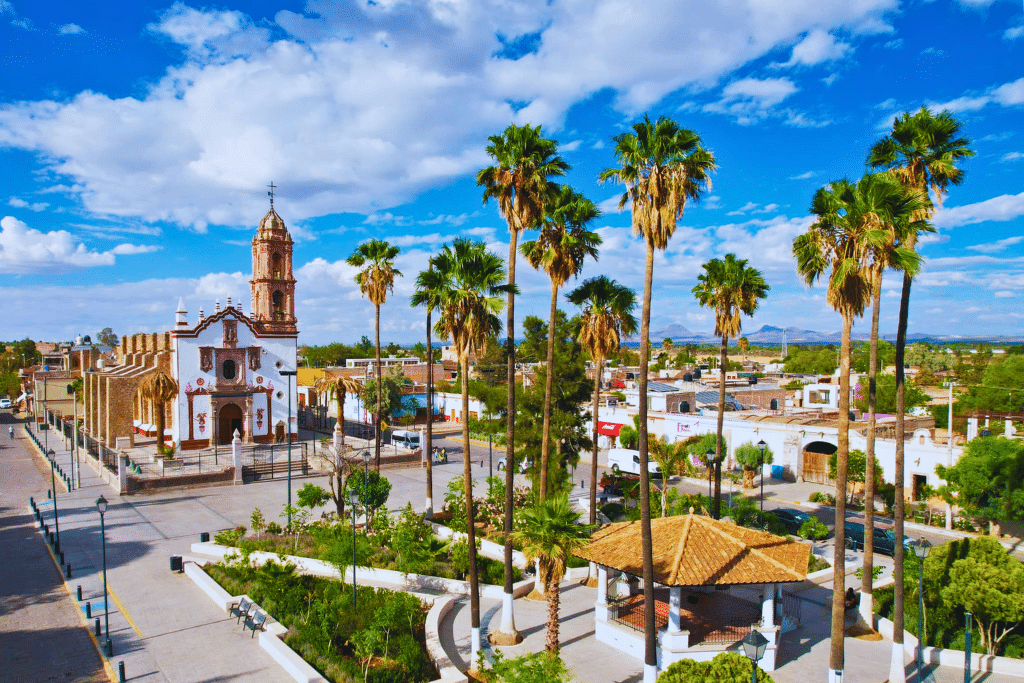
(227, 366)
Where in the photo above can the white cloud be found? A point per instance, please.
(751, 99)
(249, 102)
(570, 146)
(130, 249)
(894, 44)
(71, 30)
(1008, 95)
(27, 250)
(767, 208)
(1002, 208)
(997, 246)
(1012, 156)
(449, 219)
(24, 23)
(804, 176)
(611, 205)
(1013, 33)
(817, 47)
(387, 218)
(749, 206)
(598, 145)
(19, 203)
(6, 7)
(1004, 294)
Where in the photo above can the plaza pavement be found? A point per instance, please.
(165, 629)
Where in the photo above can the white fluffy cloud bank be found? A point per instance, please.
(360, 106)
(27, 250)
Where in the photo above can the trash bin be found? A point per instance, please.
(176, 563)
(204, 537)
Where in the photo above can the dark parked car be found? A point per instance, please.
(884, 538)
(792, 518)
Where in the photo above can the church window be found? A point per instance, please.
(229, 369)
(278, 306)
(277, 266)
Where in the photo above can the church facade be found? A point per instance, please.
(227, 365)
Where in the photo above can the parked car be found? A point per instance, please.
(5, 403)
(523, 466)
(626, 460)
(792, 518)
(884, 537)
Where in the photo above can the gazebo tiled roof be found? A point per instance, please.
(693, 550)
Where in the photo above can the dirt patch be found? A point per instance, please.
(863, 632)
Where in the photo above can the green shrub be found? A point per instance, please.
(728, 667)
(229, 537)
(813, 530)
(613, 511)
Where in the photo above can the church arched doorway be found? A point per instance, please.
(229, 418)
(816, 455)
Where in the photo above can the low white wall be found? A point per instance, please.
(934, 656)
(448, 671)
(488, 549)
(270, 639)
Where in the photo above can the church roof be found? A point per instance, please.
(272, 227)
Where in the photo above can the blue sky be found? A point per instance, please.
(136, 141)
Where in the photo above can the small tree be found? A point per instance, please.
(856, 470)
(668, 456)
(532, 667)
(749, 457)
(994, 594)
(312, 496)
(258, 522)
(728, 667)
(373, 490)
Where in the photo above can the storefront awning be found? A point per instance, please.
(608, 428)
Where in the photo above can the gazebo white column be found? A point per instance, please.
(675, 599)
(768, 606)
(674, 640)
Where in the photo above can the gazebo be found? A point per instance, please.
(696, 560)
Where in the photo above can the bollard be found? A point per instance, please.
(109, 647)
(61, 557)
(67, 573)
(120, 672)
(32, 502)
(49, 494)
(98, 630)
(88, 613)
(204, 537)
(79, 592)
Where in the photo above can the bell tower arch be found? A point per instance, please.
(273, 287)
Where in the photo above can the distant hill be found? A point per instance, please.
(769, 335)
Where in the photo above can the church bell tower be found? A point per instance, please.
(273, 287)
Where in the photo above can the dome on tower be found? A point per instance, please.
(272, 226)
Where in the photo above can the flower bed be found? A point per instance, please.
(378, 638)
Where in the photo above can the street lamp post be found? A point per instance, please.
(490, 456)
(921, 549)
(762, 445)
(366, 487)
(51, 456)
(754, 646)
(353, 499)
(101, 505)
(967, 647)
(288, 435)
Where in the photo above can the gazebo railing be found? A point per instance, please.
(715, 619)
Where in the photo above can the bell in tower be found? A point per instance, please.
(273, 287)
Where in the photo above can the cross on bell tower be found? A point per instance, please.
(273, 287)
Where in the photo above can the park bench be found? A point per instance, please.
(241, 609)
(257, 621)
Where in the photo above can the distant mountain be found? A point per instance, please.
(769, 335)
(674, 332)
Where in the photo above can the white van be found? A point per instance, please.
(626, 460)
(406, 439)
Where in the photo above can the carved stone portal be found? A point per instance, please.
(206, 358)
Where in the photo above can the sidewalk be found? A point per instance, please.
(161, 626)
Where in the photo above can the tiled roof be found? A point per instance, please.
(693, 550)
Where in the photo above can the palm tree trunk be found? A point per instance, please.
(159, 426)
(598, 363)
(869, 466)
(551, 588)
(723, 363)
(650, 632)
(837, 653)
(380, 391)
(508, 623)
(474, 588)
(897, 667)
(428, 446)
(548, 383)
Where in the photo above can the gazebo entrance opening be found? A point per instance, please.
(713, 617)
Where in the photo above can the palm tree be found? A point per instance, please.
(159, 388)
(883, 256)
(375, 280)
(607, 316)
(550, 532)
(463, 285)
(661, 165)
(923, 150)
(520, 184)
(560, 249)
(850, 220)
(339, 386)
(424, 298)
(730, 288)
